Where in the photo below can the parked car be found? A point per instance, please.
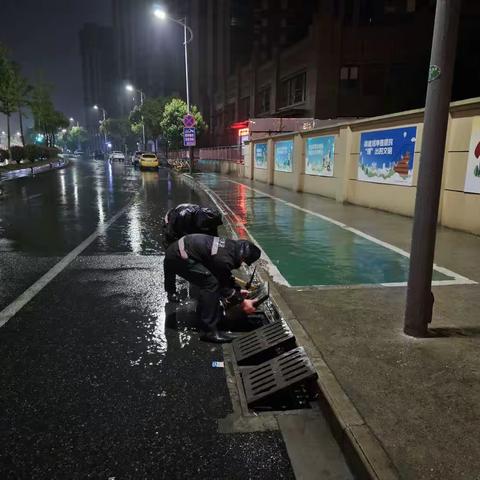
(117, 156)
(78, 153)
(148, 160)
(136, 158)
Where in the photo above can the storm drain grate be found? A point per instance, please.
(277, 375)
(263, 343)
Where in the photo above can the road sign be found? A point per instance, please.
(189, 137)
(189, 120)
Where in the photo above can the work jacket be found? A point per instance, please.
(188, 218)
(219, 255)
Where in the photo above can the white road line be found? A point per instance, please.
(457, 278)
(8, 312)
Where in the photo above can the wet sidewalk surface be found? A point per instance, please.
(307, 247)
(419, 396)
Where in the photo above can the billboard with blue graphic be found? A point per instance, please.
(284, 156)
(319, 156)
(387, 156)
(261, 155)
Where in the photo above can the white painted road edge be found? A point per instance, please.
(457, 278)
(8, 312)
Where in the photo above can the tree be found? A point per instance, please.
(74, 138)
(23, 100)
(118, 130)
(47, 120)
(8, 91)
(171, 124)
(152, 113)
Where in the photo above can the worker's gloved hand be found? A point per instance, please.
(248, 307)
(244, 293)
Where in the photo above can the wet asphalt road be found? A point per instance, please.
(93, 381)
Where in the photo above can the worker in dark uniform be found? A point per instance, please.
(207, 262)
(188, 218)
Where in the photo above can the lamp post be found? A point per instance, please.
(131, 88)
(96, 107)
(162, 15)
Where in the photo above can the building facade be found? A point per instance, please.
(320, 59)
(96, 46)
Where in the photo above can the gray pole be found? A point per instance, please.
(104, 131)
(187, 90)
(418, 311)
(143, 120)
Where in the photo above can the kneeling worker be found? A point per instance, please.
(207, 262)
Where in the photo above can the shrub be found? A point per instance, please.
(32, 152)
(3, 155)
(52, 152)
(17, 154)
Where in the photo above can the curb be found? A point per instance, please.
(363, 451)
(25, 172)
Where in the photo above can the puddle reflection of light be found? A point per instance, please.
(63, 189)
(75, 189)
(135, 229)
(159, 339)
(110, 177)
(100, 210)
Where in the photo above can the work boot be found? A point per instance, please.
(214, 336)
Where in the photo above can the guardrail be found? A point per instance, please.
(232, 153)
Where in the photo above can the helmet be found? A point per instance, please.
(247, 251)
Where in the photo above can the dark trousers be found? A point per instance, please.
(196, 273)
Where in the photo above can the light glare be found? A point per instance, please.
(159, 13)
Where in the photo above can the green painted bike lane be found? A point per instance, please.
(306, 249)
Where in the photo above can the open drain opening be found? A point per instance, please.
(298, 397)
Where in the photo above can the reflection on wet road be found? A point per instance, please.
(93, 381)
(306, 249)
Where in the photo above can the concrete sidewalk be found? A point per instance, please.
(419, 397)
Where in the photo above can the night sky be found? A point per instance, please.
(42, 36)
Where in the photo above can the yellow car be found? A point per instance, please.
(148, 160)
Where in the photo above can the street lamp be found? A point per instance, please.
(131, 88)
(162, 15)
(96, 107)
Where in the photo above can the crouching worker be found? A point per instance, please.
(207, 262)
(188, 218)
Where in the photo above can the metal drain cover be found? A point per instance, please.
(263, 343)
(278, 374)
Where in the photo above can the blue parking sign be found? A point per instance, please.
(189, 137)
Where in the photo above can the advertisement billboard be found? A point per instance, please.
(284, 156)
(387, 156)
(472, 178)
(261, 155)
(319, 156)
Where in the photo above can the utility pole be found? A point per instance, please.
(418, 313)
